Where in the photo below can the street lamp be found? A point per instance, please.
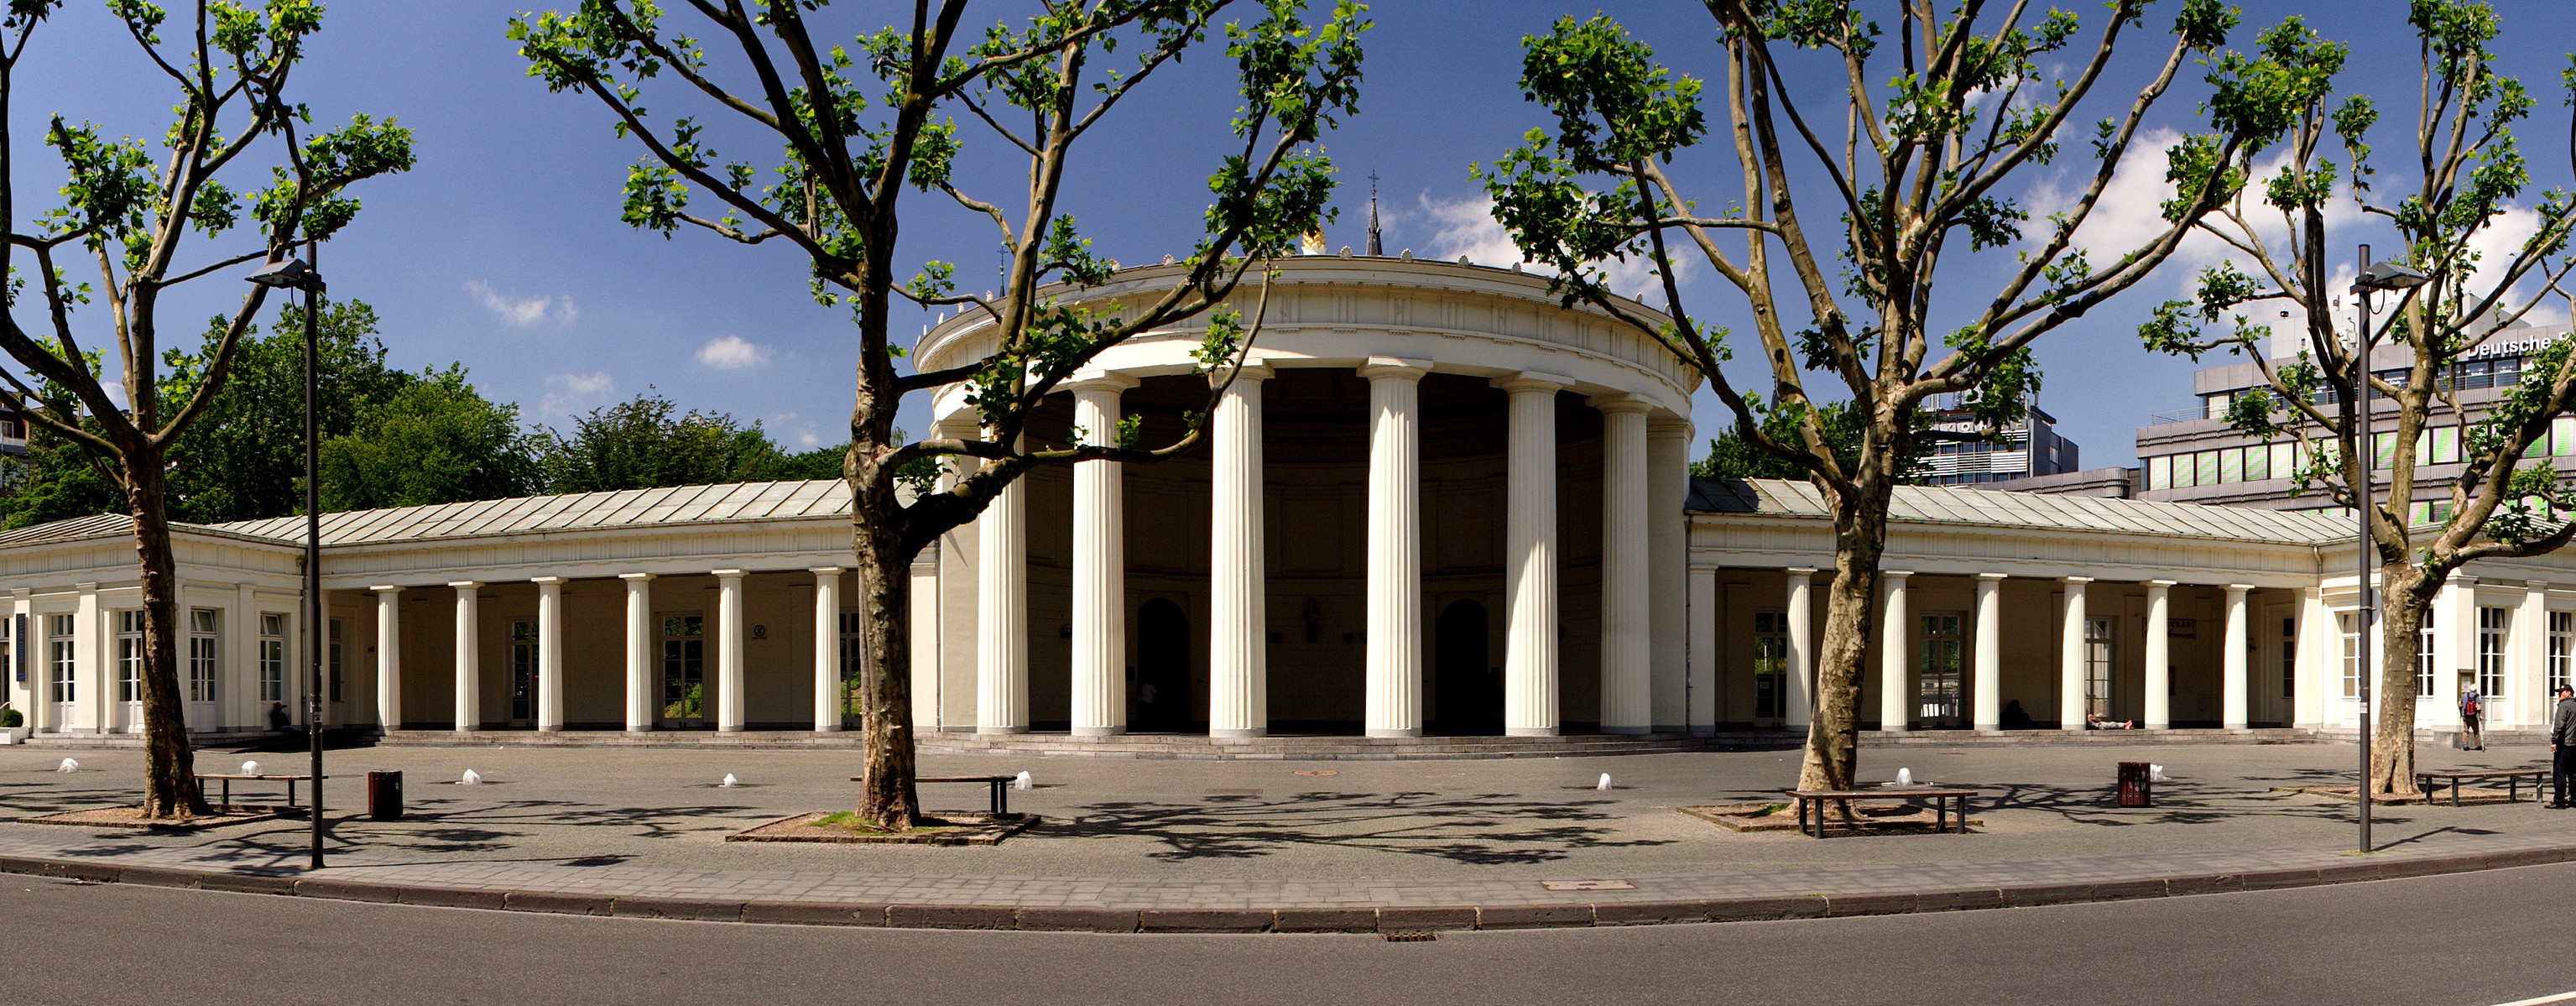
(2374, 276)
(296, 274)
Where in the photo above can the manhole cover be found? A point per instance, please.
(1587, 885)
(1317, 772)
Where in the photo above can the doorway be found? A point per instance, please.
(129, 670)
(2100, 684)
(203, 644)
(1937, 674)
(1468, 693)
(61, 685)
(523, 674)
(684, 671)
(1162, 668)
(1770, 668)
(854, 655)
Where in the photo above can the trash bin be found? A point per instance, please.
(2136, 789)
(384, 796)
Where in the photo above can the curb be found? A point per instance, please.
(1290, 919)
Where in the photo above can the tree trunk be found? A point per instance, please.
(170, 789)
(2408, 591)
(887, 796)
(1833, 733)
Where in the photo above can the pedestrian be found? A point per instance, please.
(2471, 709)
(2562, 745)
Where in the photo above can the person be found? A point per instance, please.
(2562, 744)
(2471, 710)
(2015, 717)
(2094, 721)
(279, 721)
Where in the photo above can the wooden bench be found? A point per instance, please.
(2512, 787)
(1814, 800)
(999, 784)
(227, 779)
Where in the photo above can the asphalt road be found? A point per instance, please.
(2474, 940)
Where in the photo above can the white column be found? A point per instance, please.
(2231, 661)
(1802, 649)
(1529, 557)
(550, 714)
(469, 657)
(1002, 614)
(1099, 564)
(1703, 657)
(25, 655)
(388, 658)
(2318, 664)
(1668, 569)
(641, 696)
(1892, 637)
(2526, 702)
(1394, 546)
(2070, 656)
(90, 676)
(1627, 646)
(1989, 669)
(2158, 656)
(1238, 570)
(827, 648)
(730, 633)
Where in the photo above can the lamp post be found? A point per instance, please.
(2374, 276)
(296, 274)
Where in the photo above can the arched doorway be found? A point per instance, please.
(1470, 694)
(1162, 669)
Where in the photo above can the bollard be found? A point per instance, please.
(384, 796)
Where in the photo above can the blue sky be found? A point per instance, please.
(503, 249)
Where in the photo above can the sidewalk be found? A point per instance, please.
(1494, 845)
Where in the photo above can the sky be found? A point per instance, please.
(503, 249)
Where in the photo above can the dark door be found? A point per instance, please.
(1470, 690)
(1162, 669)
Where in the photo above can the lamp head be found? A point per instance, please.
(2389, 276)
(290, 274)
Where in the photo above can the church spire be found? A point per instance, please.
(1374, 248)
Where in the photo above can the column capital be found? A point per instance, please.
(727, 574)
(463, 585)
(827, 571)
(1894, 574)
(547, 581)
(2536, 584)
(1668, 425)
(1096, 381)
(2239, 588)
(1620, 403)
(635, 577)
(2160, 585)
(1997, 577)
(1394, 368)
(387, 589)
(1251, 370)
(1531, 381)
(2074, 581)
(1800, 571)
(2462, 580)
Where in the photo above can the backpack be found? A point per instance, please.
(2469, 706)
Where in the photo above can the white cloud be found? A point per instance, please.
(575, 393)
(732, 352)
(1466, 228)
(522, 311)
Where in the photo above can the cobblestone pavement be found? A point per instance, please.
(588, 826)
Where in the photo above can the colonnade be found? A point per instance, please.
(1238, 698)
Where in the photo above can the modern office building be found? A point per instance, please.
(2028, 449)
(2191, 455)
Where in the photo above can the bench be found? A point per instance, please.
(999, 784)
(227, 779)
(2426, 780)
(1941, 799)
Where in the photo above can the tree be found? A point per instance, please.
(243, 458)
(1731, 456)
(640, 444)
(1938, 120)
(129, 216)
(434, 441)
(2453, 195)
(870, 132)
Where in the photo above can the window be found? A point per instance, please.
(2562, 436)
(129, 656)
(335, 660)
(2351, 632)
(2383, 449)
(2562, 648)
(1770, 664)
(272, 658)
(1938, 672)
(2424, 656)
(2215, 407)
(2231, 465)
(62, 656)
(2446, 448)
(2491, 627)
(2098, 686)
(8, 647)
(202, 648)
(2205, 467)
(523, 670)
(2258, 463)
(2160, 476)
(2290, 660)
(854, 656)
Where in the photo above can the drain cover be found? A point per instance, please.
(1587, 885)
(1413, 937)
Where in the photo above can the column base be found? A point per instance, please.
(2078, 727)
(831, 728)
(2161, 726)
(1397, 732)
(549, 730)
(1000, 730)
(1243, 734)
(1099, 731)
(1529, 731)
(1898, 729)
(1996, 728)
(728, 730)
(1670, 728)
(466, 730)
(639, 730)
(1635, 731)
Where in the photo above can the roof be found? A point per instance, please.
(117, 525)
(1952, 506)
(576, 511)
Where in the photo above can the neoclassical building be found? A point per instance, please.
(1436, 501)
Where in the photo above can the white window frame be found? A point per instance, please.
(272, 657)
(2494, 621)
(2561, 662)
(205, 654)
(2424, 657)
(2348, 629)
(62, 665)
(129, 655)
